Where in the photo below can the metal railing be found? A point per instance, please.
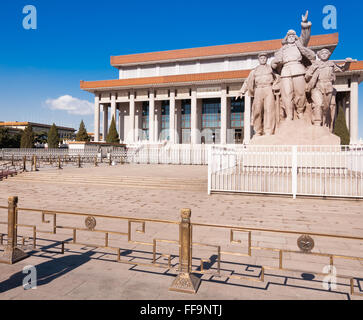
(223, 241)
(332, 171)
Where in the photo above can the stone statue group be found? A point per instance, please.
(281, 90)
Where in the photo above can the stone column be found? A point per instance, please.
(354, 110)
(178, 106)
(151, 116)
(346, 108)
(157, 121)
(113, 107)
(247, 120)
(121, 123)
(230, 134)
(224, 115)
(105, 122)
(132, 117)
(172, 128)
(193, 118)
(97, 119)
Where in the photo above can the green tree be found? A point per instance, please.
(4, 137)
(82, 134)
(53, 137)
(27, 138)
(14, 141)
(341, 129)
(112, 136)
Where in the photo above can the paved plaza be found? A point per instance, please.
(86, 272)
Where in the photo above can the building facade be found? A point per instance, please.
(188, 95)
(63, 132)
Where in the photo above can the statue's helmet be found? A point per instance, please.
(325, 50)
(290, 33)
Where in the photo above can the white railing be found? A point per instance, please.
(169, 154)
(335, 171)
(183, 154)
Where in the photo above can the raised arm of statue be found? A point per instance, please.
(305, 30)
(344, 67)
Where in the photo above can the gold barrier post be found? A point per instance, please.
(110, 161)
(24, 163)
(12, 160)
(185, 282)
(59, 163)
(96, 164)
(35, 163)
(79, 161)
(12, 254)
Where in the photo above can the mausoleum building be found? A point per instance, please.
(188, 96)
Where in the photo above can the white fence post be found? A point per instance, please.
(210, 163)
(294, 171)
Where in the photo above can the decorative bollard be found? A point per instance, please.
(12, 253)
(12, 160)
(110, 160)
(24, 164)
(96, 164)
(79, 161)
(185, 282)
(34, 163)
(59, 163)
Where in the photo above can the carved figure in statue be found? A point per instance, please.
(321, 77)
(259, 85)
(291, 62)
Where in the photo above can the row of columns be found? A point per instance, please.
(153, 121)
(352, 117)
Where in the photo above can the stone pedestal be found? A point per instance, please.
(298, 132)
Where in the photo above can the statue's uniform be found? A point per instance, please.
(321, 77)
(290, 58)
(264, 101)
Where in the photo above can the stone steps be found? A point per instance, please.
(136, 181)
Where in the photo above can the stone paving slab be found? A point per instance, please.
(85, 273)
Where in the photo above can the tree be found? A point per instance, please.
(4, 137)
(27, 138)
(14, 141)
(112, 136)
(82, 134)
(340, 128)
(53, 138)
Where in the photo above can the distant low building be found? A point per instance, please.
(63, 132)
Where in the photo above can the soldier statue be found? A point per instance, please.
(291, 62)
(321, 77)
(259, 85)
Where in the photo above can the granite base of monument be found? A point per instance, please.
(298, 132)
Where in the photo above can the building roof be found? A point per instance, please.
(330, 40)
(179, 79)
(33, 124)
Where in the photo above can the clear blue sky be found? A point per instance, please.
(75, 39)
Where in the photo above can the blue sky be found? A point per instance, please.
(75, 39)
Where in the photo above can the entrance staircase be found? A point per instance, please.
(64, 177)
